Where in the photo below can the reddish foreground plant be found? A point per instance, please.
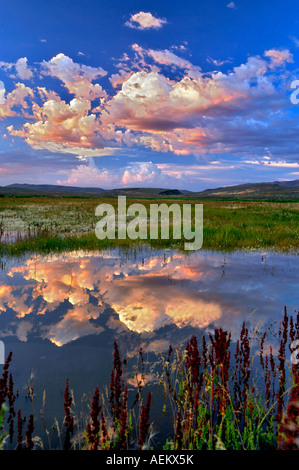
(93, 427)
(68, 419)
(144, 421)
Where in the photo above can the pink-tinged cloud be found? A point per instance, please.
(193, 113)
(162, 57)
(279, 57)
(145, 20)
(15, 102)
(77, 78)
(119, 78)
(146, 173)
(60, 123)
(166, 57)
(20, 67)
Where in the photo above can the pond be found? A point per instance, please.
(61, 314)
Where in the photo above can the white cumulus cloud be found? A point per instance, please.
(145, 20)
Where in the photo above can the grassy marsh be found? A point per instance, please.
(42, 224)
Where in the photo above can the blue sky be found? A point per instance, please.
(189, 95)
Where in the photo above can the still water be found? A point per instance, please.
(60, 314)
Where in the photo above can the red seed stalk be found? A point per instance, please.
(93, 427)
(144, 421)
(29, 433)
(68, 419)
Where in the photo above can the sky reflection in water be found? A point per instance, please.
(61, 314)
(63, 298)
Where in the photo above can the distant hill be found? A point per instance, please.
(59, 190)
(278, 190)
(171, 192)
(143, 192)
(49, 188)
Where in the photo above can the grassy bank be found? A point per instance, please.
(38, 224)
(218, 394)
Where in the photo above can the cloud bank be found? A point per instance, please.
(158, 101)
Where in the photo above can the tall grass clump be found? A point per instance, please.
(216, 400)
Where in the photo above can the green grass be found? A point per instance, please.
(61, 224)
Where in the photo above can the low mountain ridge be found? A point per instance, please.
(277, 190)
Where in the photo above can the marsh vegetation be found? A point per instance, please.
(218, 393)
(44, 224)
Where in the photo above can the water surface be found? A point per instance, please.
(60, 314)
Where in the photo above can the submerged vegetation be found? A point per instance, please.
(38, 224)
(217, 394)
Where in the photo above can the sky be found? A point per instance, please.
(106, 93)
